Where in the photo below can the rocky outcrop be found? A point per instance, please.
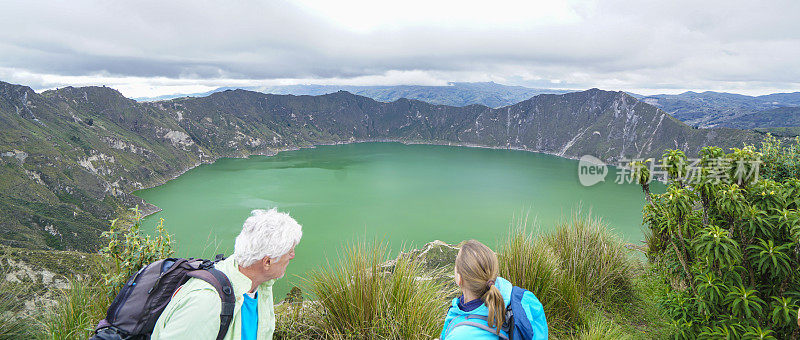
(35, 277)
(435, 256)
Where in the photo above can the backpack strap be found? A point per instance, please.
(466, 322)
(223, 286)
(508, 325)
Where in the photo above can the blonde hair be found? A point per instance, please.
(478, 267)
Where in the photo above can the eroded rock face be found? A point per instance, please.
(36, 277)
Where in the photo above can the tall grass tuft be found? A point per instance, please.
(529, 263)
(358, 298)
(77, 312)
(569, 269)
(12, 324)
(592, 257)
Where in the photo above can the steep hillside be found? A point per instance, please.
(69, 158)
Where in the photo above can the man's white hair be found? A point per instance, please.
(266, 233)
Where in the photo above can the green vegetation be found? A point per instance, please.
(128, 250)
(12, 327)
(81, 306)
(361, 298)
(77, 311)
(781, 131)
(781, 161)
(590, 285)
(588, 282)
(727, 241)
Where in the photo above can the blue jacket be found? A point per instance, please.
(533, 309)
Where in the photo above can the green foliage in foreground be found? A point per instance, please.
(781, 161)
(729, 244)
(84, 304)
(78, 310)
(362, 298)
(590, 286)
(12, 327)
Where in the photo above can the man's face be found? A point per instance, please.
(277, 269)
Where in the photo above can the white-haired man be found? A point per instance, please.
(261, 253)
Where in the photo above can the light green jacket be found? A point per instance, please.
(193, 313)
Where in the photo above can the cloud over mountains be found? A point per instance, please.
(149, 47)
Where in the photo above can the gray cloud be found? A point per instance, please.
(740, 46)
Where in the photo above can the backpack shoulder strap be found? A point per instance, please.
(223, 286)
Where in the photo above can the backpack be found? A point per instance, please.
(517, 324)
(135, 310)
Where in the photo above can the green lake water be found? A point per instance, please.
(406, 195)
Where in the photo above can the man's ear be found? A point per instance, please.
(266, 261)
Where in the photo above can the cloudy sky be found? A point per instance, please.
(149, 48)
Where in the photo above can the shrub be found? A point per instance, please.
(735, 240)
(128, 250)
(781, 160)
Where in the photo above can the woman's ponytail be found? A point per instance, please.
(478, 267)
(494, 302)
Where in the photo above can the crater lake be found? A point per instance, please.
(406, 195)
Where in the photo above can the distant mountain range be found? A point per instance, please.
(69, 158)
(455, 94)
(706, 109)
(710, 109)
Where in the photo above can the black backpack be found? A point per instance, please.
(135, 310)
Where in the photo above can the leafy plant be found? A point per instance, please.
(743, 233)
(81, 306)
(744, 302)
(128, 250)
(772, 260)
(714, 245)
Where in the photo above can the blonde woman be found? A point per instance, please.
(490, 307)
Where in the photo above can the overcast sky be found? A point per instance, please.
(149, 48)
